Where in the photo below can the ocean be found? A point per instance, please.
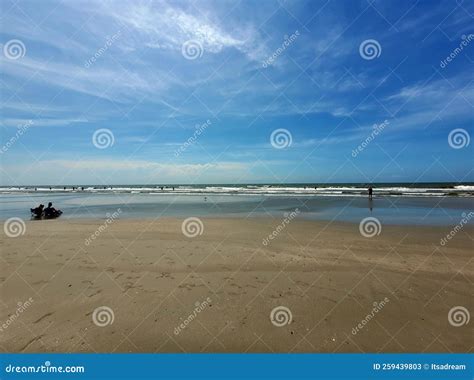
(394, 203)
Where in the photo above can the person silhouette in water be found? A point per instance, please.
(370, 190)
(38, 211)
(50, 211)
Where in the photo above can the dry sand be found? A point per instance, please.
(152, 277)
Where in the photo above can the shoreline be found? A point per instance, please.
(404, 211)
(446, 226)
(145, 279)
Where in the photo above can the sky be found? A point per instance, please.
(183, 92)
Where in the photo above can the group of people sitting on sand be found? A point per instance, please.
(49, 212)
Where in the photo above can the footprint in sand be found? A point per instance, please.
(43, 317)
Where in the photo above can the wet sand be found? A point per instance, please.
(166, 292)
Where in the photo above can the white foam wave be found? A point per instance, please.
(266, 190)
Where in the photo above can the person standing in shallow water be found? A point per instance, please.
(370, 190)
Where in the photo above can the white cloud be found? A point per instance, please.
(42, 122)
(166, 26)
(107, 171)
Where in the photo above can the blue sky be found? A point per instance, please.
(151, 90)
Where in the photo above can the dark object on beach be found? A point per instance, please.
(50, 212)
(37, 212)
(370, 192)
(45, 213)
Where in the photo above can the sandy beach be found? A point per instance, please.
(143, 286)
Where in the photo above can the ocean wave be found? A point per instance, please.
(265, 190)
